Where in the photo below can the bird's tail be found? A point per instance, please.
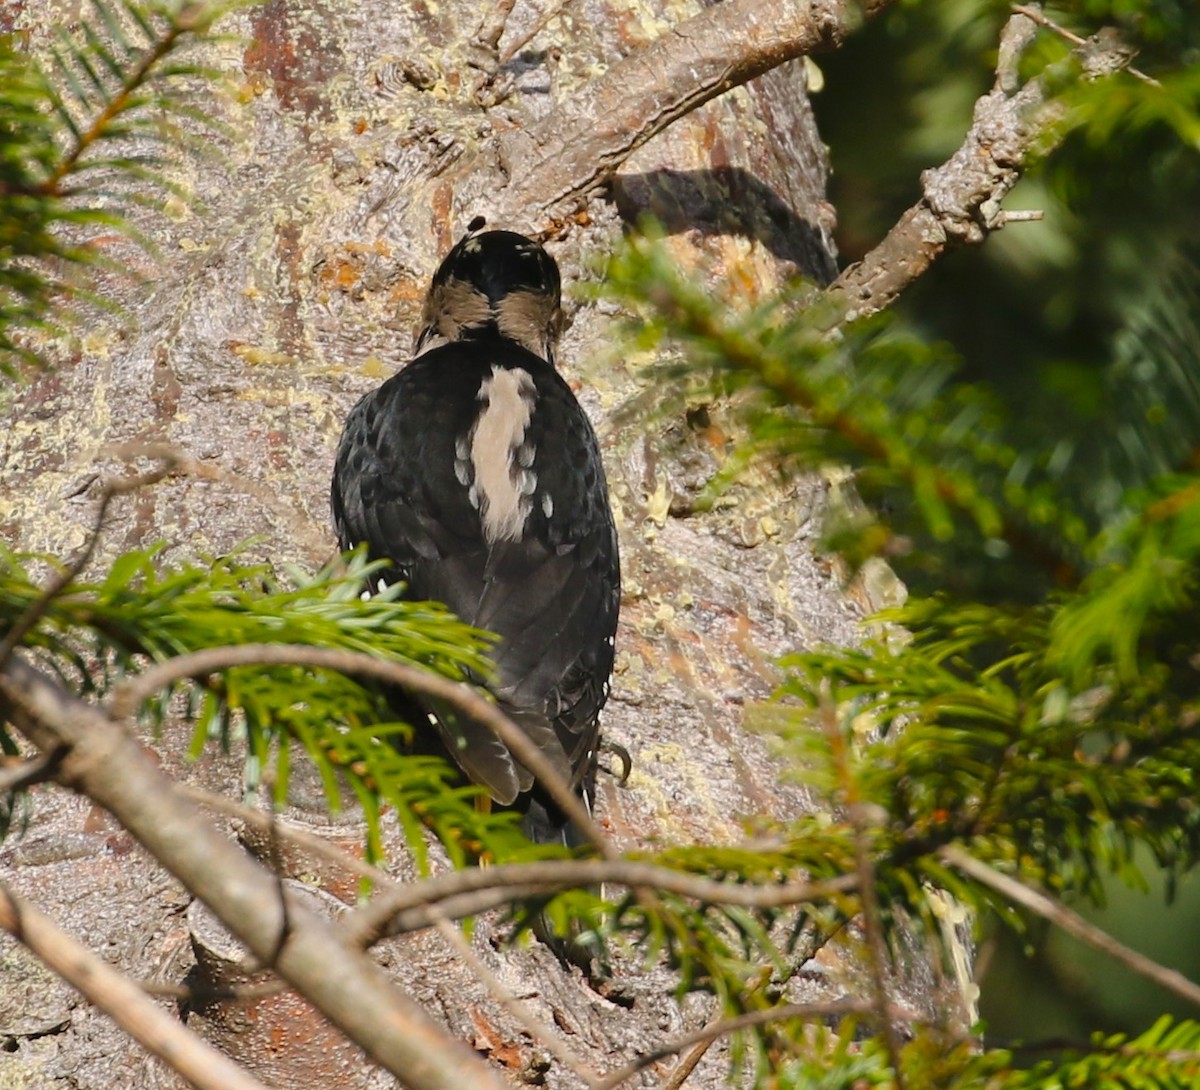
(544, 823)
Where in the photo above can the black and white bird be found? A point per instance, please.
(476, 473)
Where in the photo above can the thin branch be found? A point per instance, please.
(109, 765)
(154, 1028)
(132, 693)
(876, 949)
(714, 1030)
(1070, 922)
(961, 202)
(554, 163)
(682, 1071)
(171, 460)
(523, 40)
(467, 892)
(25, 773)
(1042, 19)
(516, 1007)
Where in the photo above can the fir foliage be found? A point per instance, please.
(88, 132)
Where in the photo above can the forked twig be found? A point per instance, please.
(1042, 19)
(523, 40)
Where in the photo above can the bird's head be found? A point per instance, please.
(494, 283)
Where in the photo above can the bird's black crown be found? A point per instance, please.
(498, 263)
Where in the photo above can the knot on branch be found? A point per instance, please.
(965, 192)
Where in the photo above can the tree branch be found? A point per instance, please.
(111, 768)
(556, 162)
(1070, 922)
(131, 694)
(154, 1028)
(467, 892)
(961, 201)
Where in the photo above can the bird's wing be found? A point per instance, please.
(394, 485)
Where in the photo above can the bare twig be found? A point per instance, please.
(682, 1071)
(523, 40)
(713, 1030)
(876, 948)
(1040, 17)
(108, 765)
(1021, 215)
(516, 1007)
(558, 160)
(39, 769)
(155, 1029)
(170, 461)
(1070, 922)
(276, 856)
(467, 892)
(961, 202)
(131, 694)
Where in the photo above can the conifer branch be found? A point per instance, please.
(110, 767)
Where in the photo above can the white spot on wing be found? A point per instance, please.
(547, 505)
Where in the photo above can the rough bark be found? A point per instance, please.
(367, 141)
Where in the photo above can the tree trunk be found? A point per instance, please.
(365, 141)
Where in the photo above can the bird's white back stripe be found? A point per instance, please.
(498, 434)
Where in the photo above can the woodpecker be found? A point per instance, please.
(475, 472)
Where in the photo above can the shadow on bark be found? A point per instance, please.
(725, 201)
